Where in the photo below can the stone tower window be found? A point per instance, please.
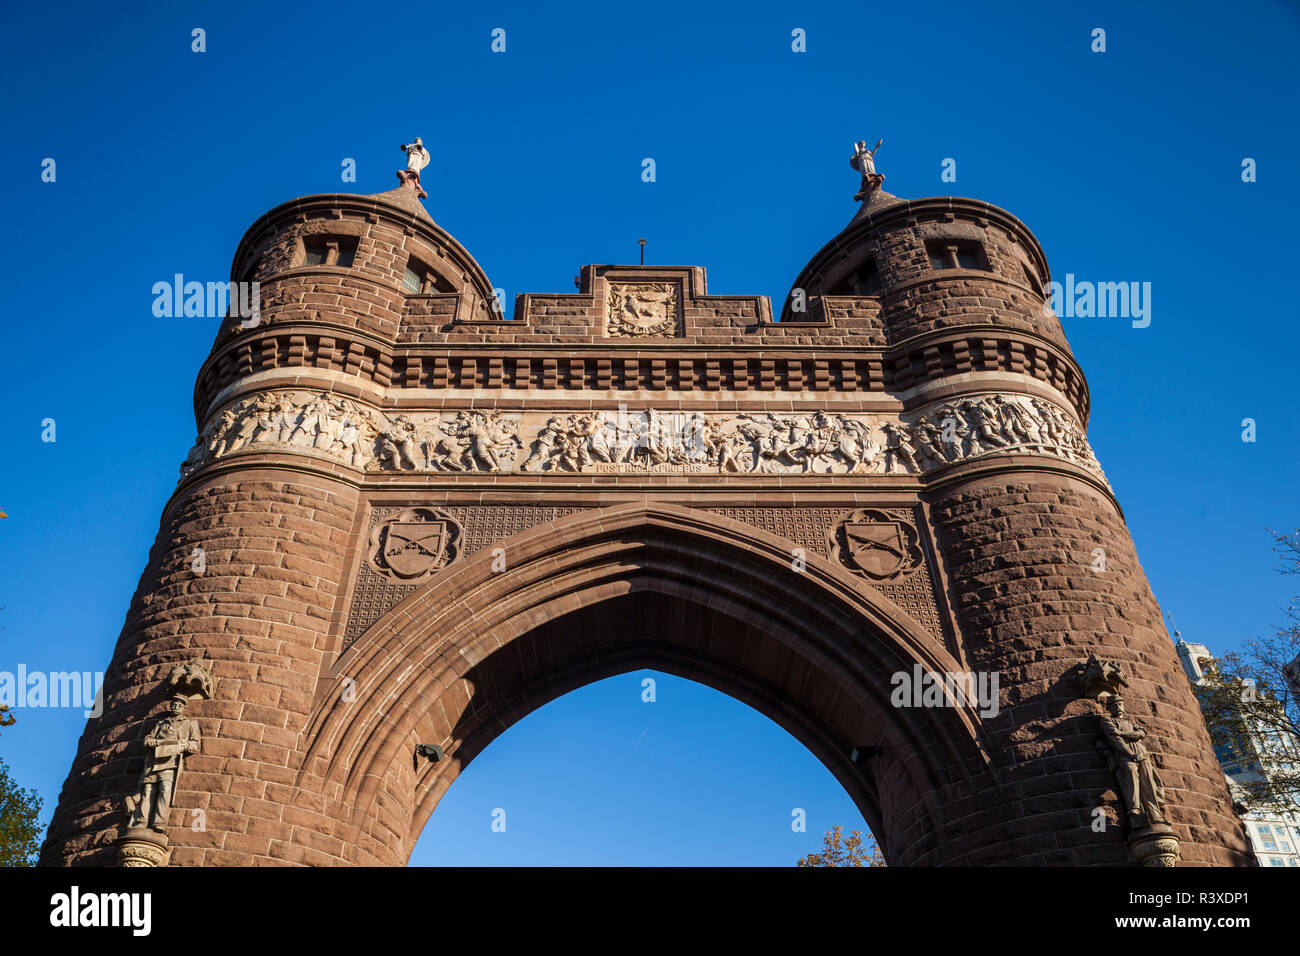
(866, 281)
(956, 254)
(329, 251)
(422, 280)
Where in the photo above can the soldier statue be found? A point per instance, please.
(174, 736)
(1139, 784)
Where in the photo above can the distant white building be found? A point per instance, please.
(1274, 836)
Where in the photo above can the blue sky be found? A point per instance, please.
(1126, 165)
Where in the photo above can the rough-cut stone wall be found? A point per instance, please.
(274, 548)
(1020, 555)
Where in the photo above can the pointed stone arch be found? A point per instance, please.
(474, 650)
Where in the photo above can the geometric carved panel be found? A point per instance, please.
(484, 526)
(812, 528)
(481, 526)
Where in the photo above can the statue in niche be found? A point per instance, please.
(1139, 783)
(172, 737)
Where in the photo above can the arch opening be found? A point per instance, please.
(665, 588)
(640, 769)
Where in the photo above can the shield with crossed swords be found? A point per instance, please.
(413, 547)
(880, 548)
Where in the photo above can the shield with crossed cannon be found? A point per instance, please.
(411, 548)
(877, 545)
(413, 543)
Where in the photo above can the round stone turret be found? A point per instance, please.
(346, 277)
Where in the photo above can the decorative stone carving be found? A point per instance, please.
(417, 157)
(864, 161)
(1151, 839)
(339, 428)
(321, 423)
(142, 848)
(414, 544)
(375, 591)
(1101, 677)
(1158, 846)
(468, 441)
(813, 528)
(972, 427)
(640, 309)
(1139, 783)
(569, 442)
(166, 745)
(822, 443)
(877, 545)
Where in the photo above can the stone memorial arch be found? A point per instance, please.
(407, 522)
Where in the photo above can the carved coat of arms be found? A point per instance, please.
(414, 544)
(643, 309)
(877, 545)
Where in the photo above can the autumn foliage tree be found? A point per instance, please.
(840, 850)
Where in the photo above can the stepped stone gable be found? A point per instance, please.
(421, 520)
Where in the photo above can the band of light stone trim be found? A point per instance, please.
(643, 442)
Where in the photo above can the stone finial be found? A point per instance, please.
(864, 161)
(417, 157)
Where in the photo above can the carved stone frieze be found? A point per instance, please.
(645, 442)
(823, 443)
(309, 422)
(330, 426)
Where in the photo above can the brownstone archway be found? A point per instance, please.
(598, 594)
(641, 450)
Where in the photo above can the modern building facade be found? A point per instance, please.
(1274, 835)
